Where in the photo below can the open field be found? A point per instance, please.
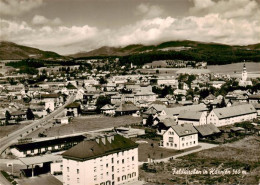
(84, 124)
(4, 130)
(234, 163)
(235, 70)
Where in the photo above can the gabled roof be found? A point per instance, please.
(91, 149)
(210, 97)
(107, 107)
(128, 106)
(254, 96)
(190, 115)
(17, 113)
(48, 96)
(168, 122)
(184, 129)
(73, 105)
(238, 110)
(177, 110)
(206, 130)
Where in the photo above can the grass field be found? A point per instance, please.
(4, 130)
(83, 124)
(234, 163)
(253, 68)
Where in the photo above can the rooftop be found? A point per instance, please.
(93, 148)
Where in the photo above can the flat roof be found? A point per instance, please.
(39, 159)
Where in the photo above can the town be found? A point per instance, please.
(129, 92)
(95, 121)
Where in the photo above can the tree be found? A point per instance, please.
(102, 80)
(149, 121)
(29, 114)
(223, 103)
(7, 117)
(101, 101)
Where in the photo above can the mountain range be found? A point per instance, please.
(10, 50)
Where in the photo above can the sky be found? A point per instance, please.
(71, 26)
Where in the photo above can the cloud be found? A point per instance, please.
(226, 9)
(213, 25)
(41, 20)
(17, 7)
(149, 11)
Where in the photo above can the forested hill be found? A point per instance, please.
(184, 50)
(12, 51)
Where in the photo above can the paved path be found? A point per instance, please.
(204, 146)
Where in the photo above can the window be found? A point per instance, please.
(32, 151)
(123, 161)
(175, 145)
(112, 160)
(112, 168)
(101, 167)
(194, 142)
(107, 165)
(182, 138)
(107, 173)
(68, 169)
(95, 178)
(77, 171)
(113, 177)
(118, 162)
(95, 169)
(77, 180)
(133, 158)
(170, 139)
(118, 179)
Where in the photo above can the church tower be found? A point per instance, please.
(244, 73)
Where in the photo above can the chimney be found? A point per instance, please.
(103, 140)
(110, 138)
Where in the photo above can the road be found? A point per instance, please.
(7, 141)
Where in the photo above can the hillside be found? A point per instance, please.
(12, 51)
(174, 46)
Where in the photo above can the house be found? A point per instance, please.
(72, 110)
(229, 115)
(18, 115)
(217, 84)
(108, 109)
(180, 137)
(207, 130)
(209, 99)
(126, 108)
(255, 98)
(193, 117)
(103, 160)
(164, 125)
(52, 100)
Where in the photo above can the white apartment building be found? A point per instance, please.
(230, 115)
(180, 137)
(107, 160)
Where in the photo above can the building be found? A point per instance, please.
(26, 147)
(73, 109)
(193, 117)
(107, 160)
(229, 115)
(108, 109)
(255, 98)
(180, 137)
(244, 82)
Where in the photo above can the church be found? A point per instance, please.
(244, 82)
